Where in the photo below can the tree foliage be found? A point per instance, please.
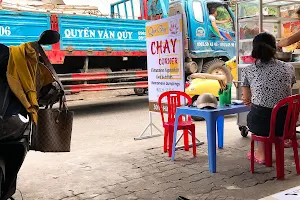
(223, 14)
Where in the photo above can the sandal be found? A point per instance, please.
(288, 143)
(262, 162)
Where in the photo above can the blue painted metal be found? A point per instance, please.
(142, 9)
(94, 33)
(118, 9)
(18, 27)
(125, 8)
(118, 3)
(163, 8)
(203, 42)
(112, 11)
(132, 9)
(157, 7)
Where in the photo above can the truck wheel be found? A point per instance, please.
(244, 131)
(139, 91)
(195, 118)
(216, 67)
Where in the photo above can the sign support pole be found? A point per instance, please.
(151, 125)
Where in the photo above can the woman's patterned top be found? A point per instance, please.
(269, 82)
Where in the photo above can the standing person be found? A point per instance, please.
(264, 84)
(212, 17)
(284, 43)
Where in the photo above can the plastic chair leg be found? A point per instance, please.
(252, 156)
(170, 141)
(194, 140)
(166, 140)
(186, 140)
(279, 148)
(296, 156)
(268, 154)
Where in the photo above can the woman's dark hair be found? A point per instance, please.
(264, 47)
(212, 10)
(298, 11)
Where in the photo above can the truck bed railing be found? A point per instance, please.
(102, 75)
(114, 81)
(117, 6)
(70, 89)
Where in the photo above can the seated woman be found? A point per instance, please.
(264, 84)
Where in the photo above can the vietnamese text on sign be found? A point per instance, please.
(102, 34)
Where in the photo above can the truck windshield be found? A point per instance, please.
(223, 14)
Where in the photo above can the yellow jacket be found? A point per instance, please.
(21, 76)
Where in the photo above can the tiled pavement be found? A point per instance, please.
(106, 163)
(154, 176)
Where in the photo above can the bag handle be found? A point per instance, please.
(56, 78)
(62, 107)
(49, 65)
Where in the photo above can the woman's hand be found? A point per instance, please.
(281, 43)
(279, 49)
(247, 102)
(246, 96)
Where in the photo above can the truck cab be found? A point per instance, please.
(205, 50)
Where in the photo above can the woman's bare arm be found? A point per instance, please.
(214, 25)
(223, 21)
(290, 40)
(246, 96)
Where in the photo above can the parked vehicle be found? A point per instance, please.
(99, 53)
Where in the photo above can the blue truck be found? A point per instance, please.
(99, 53)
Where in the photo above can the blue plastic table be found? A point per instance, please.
(213, 117)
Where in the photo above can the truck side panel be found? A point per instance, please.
(89, 33)
(18, 27)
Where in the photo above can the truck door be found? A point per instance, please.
(199, 44)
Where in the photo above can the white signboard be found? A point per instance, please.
(165, 58)
(290, 194)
